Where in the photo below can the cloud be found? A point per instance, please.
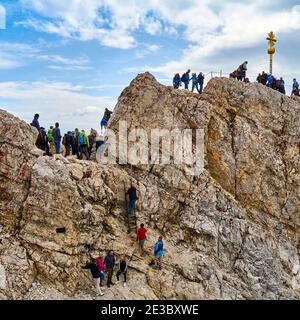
(55, 101)
(148, 49)
(2, 17)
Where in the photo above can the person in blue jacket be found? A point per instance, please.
(194, 80)
(282, 87)
(186, 79)
(270, 80)
(158, 252)
(176, 81)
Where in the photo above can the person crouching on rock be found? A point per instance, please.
(123, 265)
(95, 274)
(158, 252)
(109, 262)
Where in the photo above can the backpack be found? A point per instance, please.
(81, 139)
(184, 77)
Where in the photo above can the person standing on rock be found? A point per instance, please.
(176, 81)
(76, 147)
(282, 86)
(84, 145)
(68, 142)
(95, 274)
(186, 79)
(201, 82)
(51, 141)
(123, 265)
(133, 198)
(194, 80)
(56, 137)
(101, 268)
(141, 238)
(158, 252)
(35, 122)
(109, 262)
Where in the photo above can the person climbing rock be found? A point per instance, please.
(194, 80)
(186, 79)
(176, 81)
(123, 265)
(84, 145)
(103, 124)
(92, 266)
(132, 195)
(35, 122)
(56, 137)
(109, 262)
(101, 268)
(141, 238)
(158, 252)
(201, 82)
(107, 114)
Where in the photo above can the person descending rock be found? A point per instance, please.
(56, 137)
(141, 238)
(194, 80)
(101, 268)
(76, 147)
(201, 81)
(68, 142)
(95, 274)
(35, 122)
(84, 145)
(186, 79)
(132, 195)
(282, 86)
(158, 252)
(109, 262)
(123, 265)
(176, 81)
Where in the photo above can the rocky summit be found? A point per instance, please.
(231, 232)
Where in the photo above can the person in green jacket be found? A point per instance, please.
(194, 80)
(51, 141)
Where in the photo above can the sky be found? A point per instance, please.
(69, 60)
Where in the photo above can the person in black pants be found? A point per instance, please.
(123, 265)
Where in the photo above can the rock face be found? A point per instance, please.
(230, 233)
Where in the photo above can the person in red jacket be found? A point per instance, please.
(141, 238)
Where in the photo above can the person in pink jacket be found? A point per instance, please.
(101, 268)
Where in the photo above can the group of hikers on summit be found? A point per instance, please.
(104, 268)
(77, 143)
(239, 74)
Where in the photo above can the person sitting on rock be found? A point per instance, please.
(95, 274)
(109, 262)
(101, 268)
(158, 252)
(35, 122)
(176, 81)
(132, 195)
(141, 238)
(123, 265)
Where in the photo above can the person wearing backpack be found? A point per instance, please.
(201, 82)
(68, 142)
(186, 79)
(194, 80)
(84, 144)
(56, 137)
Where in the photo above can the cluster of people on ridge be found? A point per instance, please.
(77, 143)
(270, 81)
(197, 81)
(101, 269)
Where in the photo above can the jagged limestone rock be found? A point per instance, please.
(230, 233)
